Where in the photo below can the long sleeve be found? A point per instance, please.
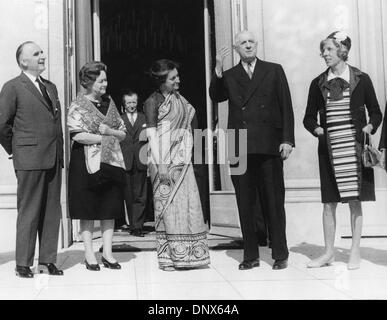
(383, 138)
(285, 102)
(218, 90)
(374, 113)
(310, 118)
(7, 114)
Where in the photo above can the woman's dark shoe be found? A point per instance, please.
(92, 267)
(110, 265)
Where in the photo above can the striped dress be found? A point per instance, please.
(341, 134)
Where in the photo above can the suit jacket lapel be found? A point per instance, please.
(241, 76)
(321, 83)
(31, 87)
(354, 78)
(259, 75)
(132, 127)
(136, 124)
(128, 125)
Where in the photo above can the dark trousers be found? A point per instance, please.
(263, 237)
(135, 194)
(39, 212)
(263, 178)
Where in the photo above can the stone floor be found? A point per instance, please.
(140, 277)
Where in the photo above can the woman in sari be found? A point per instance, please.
(181, 232)
(96, 172)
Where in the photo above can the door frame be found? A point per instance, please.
(234, 16)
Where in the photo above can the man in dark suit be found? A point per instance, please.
(136, 168)
(31, 131)
(259, 101)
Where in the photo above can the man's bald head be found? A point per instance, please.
(30, 58)
(20, 49)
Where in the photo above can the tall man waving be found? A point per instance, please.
(260, 102)
(31, 130)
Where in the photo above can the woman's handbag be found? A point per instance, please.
(371, 156)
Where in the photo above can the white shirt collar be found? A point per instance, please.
(33, 80)
(344, 75)
(134, 115)
(252, 64)
(31, 77)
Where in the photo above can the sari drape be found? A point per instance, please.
(181, 233)
(83, 116)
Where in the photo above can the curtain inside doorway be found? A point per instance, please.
(83, 34)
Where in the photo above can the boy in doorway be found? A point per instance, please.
(135, 192)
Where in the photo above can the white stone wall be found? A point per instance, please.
(289, 33)
(22, 20)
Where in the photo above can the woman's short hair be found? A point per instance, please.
(90, 72)
(341, 41)
(160, 69)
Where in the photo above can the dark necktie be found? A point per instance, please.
(249, 72)
(44, 92)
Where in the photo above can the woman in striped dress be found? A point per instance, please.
(341, 95)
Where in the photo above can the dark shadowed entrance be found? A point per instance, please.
(135, 33)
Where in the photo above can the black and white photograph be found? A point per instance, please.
(208, 151)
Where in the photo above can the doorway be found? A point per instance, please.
(135, 33)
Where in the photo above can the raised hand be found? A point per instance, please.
(220, 56)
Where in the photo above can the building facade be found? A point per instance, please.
(72, 32)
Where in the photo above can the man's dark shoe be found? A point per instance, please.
(280, 264)
(246, 264)
(137, 233)
(24, 272)
(51, 268)
(123, 228)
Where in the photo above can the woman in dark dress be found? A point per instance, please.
(341, 95)
(96, 172)
(181, 232)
